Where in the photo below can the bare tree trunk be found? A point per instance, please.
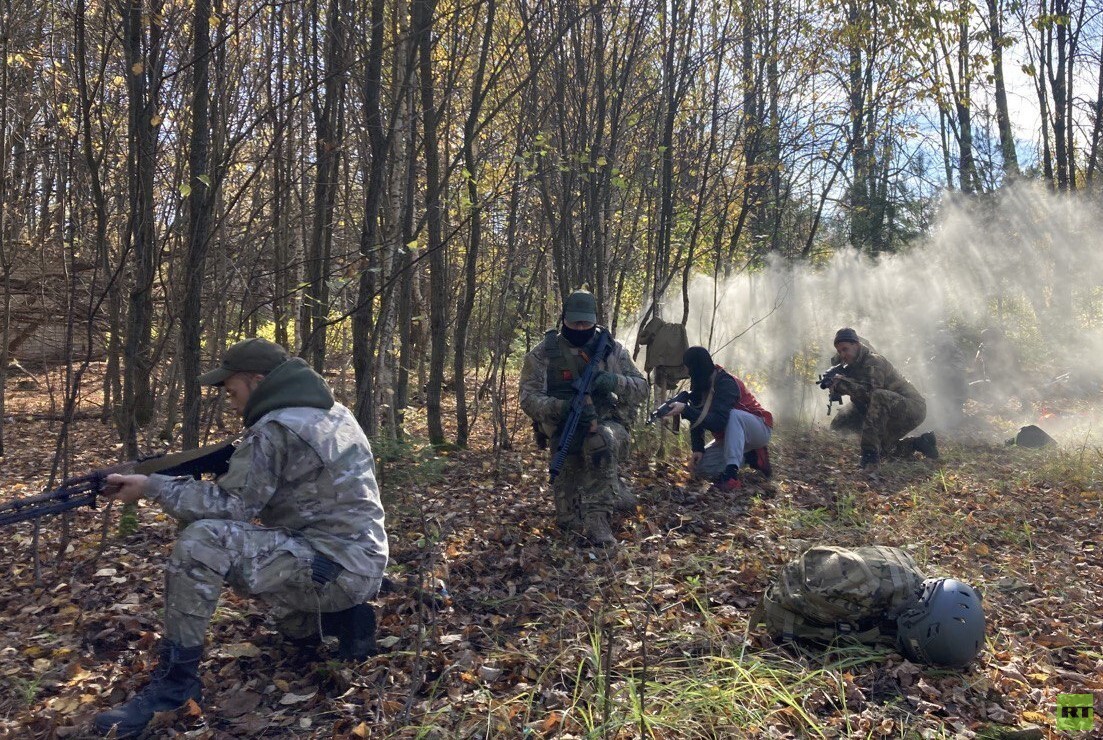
(1062, 132)
(1043, 98)
(859, 196)
(1003, 116)
(1097, 124)
(423, 11)
(970, 180)
(202, 183)
(362, 319)
(407, 304)
(6, 257)
(328, 123)
(143, 65)
(467, 301)
(282, 251)
(99, 205)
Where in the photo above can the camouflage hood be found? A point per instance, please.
(292, 384)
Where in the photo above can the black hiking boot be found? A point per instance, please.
(595, 529)
(925, 444)
(174, 681)
(354, 629)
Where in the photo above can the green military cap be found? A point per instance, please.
(254, 355)
(580, 306)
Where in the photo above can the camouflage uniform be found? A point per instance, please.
(849, 418)
(588, 481)
(888, 405)
(308, 475)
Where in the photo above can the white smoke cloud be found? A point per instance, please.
(1024, 260)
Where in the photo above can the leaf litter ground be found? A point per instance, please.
(499, 627)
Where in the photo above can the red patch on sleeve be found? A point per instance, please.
(567, 375)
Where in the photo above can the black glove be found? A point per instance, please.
(605, 382)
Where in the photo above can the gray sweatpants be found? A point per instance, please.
(744, 432)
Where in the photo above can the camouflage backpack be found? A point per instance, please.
(829, 592)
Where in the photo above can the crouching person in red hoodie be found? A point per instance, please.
(720, 403)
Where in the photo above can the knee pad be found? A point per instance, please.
(597, 450)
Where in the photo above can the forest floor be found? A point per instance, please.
(500, 627)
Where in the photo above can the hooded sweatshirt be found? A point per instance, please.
(303, 465)
(722, 393)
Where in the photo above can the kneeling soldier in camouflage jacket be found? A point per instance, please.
(588, 487)
(304, 469)
(887, 405)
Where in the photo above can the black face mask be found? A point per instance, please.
(577, 337)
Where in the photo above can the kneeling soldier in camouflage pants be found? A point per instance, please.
(305, 470)
(588, 487)
(887, 405)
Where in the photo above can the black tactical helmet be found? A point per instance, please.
(946, 627)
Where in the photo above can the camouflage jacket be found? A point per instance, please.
(871, 372)
(548, 409)
(306, 470)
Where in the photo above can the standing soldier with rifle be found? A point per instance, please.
(562, 373)
(304, 469)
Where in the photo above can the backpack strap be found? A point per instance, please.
(905, 577)
(554, 354)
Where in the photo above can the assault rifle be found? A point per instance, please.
(825, 381)
(664, 409)
(84, 490)
(582, 386)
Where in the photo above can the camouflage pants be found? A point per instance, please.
(588, 481)
(889, 417)
(270, 564)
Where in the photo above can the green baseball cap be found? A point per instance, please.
(580, 306)
(254, 355)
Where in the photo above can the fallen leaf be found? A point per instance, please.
(240, 703)
(241, 650)
(489, 674)
(1054, 641)
(293, 698)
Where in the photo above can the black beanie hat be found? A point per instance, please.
(847, 335)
